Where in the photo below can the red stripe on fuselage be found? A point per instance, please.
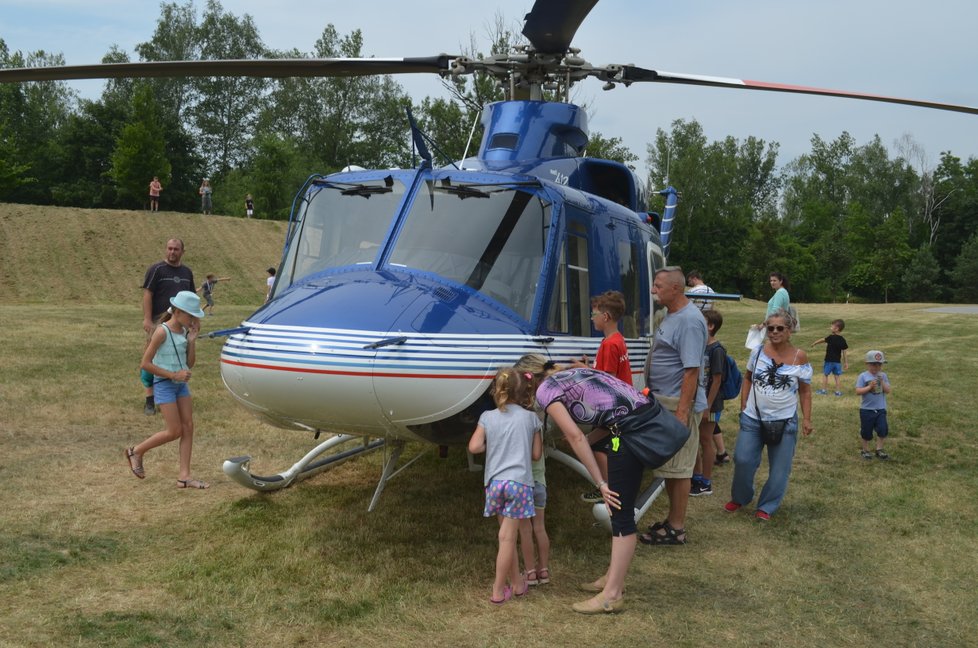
(333, 372)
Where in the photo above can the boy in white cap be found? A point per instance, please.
(873, 385)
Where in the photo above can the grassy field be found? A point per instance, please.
(861, 553)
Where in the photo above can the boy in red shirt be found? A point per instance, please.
(606, 309)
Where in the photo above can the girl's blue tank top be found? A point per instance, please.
(172, 354)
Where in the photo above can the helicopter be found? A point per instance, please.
(401, 292)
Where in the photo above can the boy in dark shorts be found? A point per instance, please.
(714, 363)
(835, 357)
(873, 385)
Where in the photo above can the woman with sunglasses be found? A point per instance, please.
(777, 379)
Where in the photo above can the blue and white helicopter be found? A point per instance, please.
(401, 292)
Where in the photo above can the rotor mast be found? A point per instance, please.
(526, 73)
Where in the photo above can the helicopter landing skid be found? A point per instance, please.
(600, 511)
(389, 472)
(239, 469)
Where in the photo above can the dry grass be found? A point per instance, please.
(861, 553)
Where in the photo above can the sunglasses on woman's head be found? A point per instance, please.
(779, 329)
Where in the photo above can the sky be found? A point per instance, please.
(896, 48)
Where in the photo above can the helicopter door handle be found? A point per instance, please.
(543, 340)
(386, 342)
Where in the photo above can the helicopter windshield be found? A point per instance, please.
(487, 237)
(343, 224)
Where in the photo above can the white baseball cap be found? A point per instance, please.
(875, 356)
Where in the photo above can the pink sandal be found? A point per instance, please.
(507, 593)
(543, 576)
(531, 577)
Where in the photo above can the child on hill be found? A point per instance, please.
(873, 385)
(606, 310)
(835, 357)
(207, 290)
(510, 437)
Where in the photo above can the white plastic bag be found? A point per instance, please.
(755, 338)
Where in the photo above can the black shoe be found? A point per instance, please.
(882, 456)
(722, 459)
(700, 488)
(150, 407)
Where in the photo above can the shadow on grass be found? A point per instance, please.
(24, 556)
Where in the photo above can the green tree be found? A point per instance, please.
(610, 149)
(922, 278)
(226, 112)
(727, 188)
(965, 271)
(340, 121)
(32, 115)
(881, 252)
(140, 152)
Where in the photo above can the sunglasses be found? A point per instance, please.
(779, 329)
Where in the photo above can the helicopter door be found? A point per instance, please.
(570, 305)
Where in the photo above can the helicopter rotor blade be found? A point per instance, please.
(551, 24)
(632, 74)
(279, 68)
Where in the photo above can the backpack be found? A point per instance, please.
(732, 378)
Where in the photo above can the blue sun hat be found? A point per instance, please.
(188, 302)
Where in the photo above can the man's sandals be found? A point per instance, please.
(663, 533)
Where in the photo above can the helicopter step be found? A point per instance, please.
(600, 511)
(239, 468)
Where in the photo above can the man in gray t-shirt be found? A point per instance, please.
(674, 378)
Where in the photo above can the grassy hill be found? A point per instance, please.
(66, 254)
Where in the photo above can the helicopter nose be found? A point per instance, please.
(366, 353)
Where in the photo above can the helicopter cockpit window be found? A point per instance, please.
(487, 237)
(504, 141)
(344, 224)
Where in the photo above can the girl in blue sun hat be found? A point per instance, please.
(170, 356)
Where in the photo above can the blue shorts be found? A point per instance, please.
(873, 419)
(510, 499)
(834, 368)
(168, 391)
(539, 495)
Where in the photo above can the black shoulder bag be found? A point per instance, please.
(650, 432)
(771, 431)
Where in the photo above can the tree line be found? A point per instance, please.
(845, 221)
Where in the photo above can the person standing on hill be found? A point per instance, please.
(249, 206)
(154, 194)
(206, 196)
(163, 281)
